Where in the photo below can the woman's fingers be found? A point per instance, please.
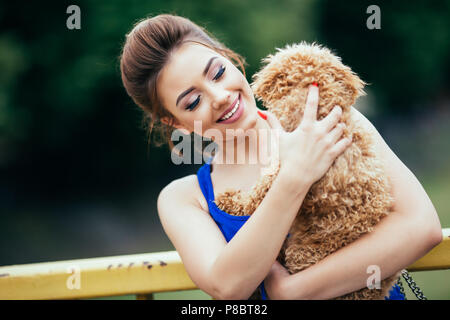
(336, 133)
(330, 121)
(340, 147)
(312, 101)
(274, 133)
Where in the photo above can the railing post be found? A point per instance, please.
(144, 296)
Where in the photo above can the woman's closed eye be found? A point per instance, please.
(193, 104)
(218, 75)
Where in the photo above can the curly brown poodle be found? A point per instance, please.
(354, 194)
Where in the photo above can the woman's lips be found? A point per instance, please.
(237, 114)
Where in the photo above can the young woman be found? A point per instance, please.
(178, 74)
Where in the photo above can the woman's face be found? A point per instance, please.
(199, 84)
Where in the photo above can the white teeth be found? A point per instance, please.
(229, 114)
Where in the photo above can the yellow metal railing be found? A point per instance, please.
(140, 274)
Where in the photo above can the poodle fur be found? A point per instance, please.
(354, 194)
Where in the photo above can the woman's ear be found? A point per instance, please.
(175, 124)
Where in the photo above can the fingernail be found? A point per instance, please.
(262, 115)
(315, 84)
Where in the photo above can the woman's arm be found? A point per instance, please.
(233, 270)
(397, 241)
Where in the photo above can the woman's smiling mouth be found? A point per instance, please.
(233, 113)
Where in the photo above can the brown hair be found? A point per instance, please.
(147, 48)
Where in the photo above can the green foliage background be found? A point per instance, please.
(77, 180)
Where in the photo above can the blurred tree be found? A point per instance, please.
(406, 62)
(67, 127)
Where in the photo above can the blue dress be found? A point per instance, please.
(230, 225)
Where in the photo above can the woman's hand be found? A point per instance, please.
(311, 148)
(275, 281)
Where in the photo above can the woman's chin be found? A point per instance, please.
(253, 121)
(249, 121)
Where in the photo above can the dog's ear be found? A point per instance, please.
(282, 84)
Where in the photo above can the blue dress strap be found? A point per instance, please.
(228, 224)
(204, 179)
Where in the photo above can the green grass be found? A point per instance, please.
(434, 284)
(183, 295)
(438, 189)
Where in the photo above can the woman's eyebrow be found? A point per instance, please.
(184, 93)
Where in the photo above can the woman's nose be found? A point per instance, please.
(220, 99)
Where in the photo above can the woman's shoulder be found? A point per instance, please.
(381, 148)
(185, 190)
